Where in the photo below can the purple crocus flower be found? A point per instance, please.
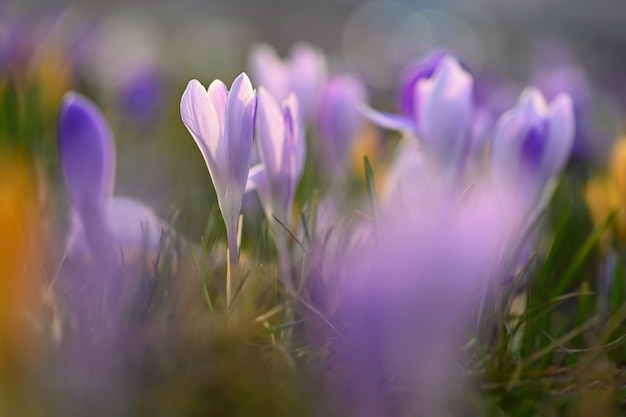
(280, 140)
(443, 112)
(222, 124)
(532, 142)
(339, 118)
(282, 149)
(101, 222)
(569, 79)
(142, 94)
(302, 73)
(407, 293)
(109, 235)
(411, 75)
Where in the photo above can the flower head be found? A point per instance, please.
(302, 73)
(339, 118)
(281, 145)
(412, 74)
(222, 124)
(442, 112)
(87, 153)
(532, 142)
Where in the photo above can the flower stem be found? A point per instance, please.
(231, 267)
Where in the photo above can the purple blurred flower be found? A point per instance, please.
(532, 142)
(101, 223)
(280, 140)
(339, 118)
(142, 93)
(407, 295)
(109, 235)
(222, 124)
(443, 112)
(407, 99)
(569, 79)
(302, 73)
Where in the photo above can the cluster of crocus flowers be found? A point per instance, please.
(529, 144)
(423, 244)
(291, 93)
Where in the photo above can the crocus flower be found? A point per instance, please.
(569, 79)
(407, 294)
(411, 75)
(87, 154)
(339, 118)
(222, 124)
(442, 112)
(302, 73)
(281, 145)
(532, 142)
(142, 94)
(107, 233)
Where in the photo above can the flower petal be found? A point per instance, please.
(533, 104)
(201, 119)
(388, 120)
(307, 72)
(445, 110)
(415, 71)
(271, 133)
(268, 71)
(339, 119)
(507, 144)
(296, 146)
(258, 180)
(239, 133)
(560, 138)
(87, 152)
(218, 94)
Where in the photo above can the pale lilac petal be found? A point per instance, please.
(257, 178)
(259, 181)
(239, 132)
(240, 108)
(560, 138)
(201, 119)
(446, 109)
(134, 225)
(268, 71)
(388, 120)
(218, 94)
(532, 103)
(339, 118)
(506, 145)
(295, 135)
(271, 132)
(307, 72)
(409, 179)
